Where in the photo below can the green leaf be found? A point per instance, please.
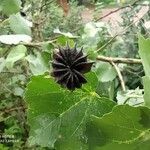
(10, 6)
(19, 25)
(92, 54)
(58, 116)
(44, 91)
(3, 147)
(68, 34)
(46, 57)
(106, 89)
(74, 120)
(44, 130)
(144, 51)
(146, 82)
(63, 39)
(37, 64)
(105, 72)
(16, 53)
(91, 80)
(125, 126)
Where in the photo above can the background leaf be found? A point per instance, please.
(146, 82)
(15, 54)
(130, 97)
(10, 6)
(37, 64)
(19, 25)
(15, 39)
(105, 72)
(144, 51)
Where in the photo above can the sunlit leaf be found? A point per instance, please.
(15, 39)
(68, 34)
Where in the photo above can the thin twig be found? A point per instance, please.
(111, 40)
(118, 9)
(46, 4)
(106, 44)
(38, 44)
(138, 104)
(119, 60)
(11, 72)
(120, 76)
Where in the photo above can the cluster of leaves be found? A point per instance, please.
(125, 45)
(73, 21)
(12, 79)
(48, 16)
(19, 61)
(83, 119)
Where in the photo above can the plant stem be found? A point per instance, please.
(119, 60)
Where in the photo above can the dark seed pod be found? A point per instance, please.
(69, 66)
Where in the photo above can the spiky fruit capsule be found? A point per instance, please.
(69, 66)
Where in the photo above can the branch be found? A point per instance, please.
(106, 44)
(38, 44)
(118, 9)
(11, 72)
(119, 60)
(120, 76)
(113, 60)
(46, 4)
